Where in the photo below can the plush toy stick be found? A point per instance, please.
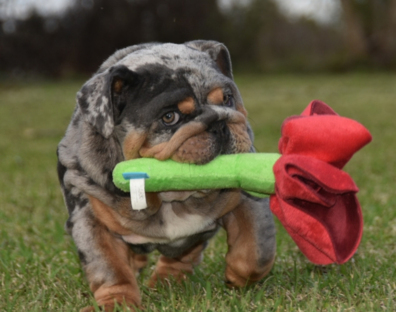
(251, 172)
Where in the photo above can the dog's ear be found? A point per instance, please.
(217, 51)
(120, 54)
(96, 97)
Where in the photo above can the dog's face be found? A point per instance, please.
(169, 101)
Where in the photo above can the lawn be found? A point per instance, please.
(39, 266)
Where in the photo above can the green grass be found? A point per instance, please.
(39, 268)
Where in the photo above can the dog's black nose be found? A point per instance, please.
(221, 132)
(218, 128)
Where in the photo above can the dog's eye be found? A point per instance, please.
(170, 118)
(228, 101)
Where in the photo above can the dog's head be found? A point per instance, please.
(169, 101)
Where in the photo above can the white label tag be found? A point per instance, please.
(138, 196)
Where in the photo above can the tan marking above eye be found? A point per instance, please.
(186, 106)
(216, 96)
(117, 85)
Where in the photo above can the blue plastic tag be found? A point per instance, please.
(135, 175)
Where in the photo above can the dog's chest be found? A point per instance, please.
(173, 227)
(172, 221)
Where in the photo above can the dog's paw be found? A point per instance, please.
(165, 278)
(108, 300)
(242, 275)
(111, 307)
(176, 269)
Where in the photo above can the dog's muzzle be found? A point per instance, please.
(213, 120)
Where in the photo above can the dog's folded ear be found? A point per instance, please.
(120, 54)
(97, 97)
(217, 51)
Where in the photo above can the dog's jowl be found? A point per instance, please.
(163, 101)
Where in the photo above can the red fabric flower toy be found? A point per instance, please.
(315, 200)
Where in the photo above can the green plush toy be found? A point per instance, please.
(250, 172)
(314, 199)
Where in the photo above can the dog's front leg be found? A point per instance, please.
(107, 261)
(251, 242)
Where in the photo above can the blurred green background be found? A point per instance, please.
(284, 55)
(61, 38)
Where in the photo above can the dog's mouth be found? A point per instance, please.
(182, 196)
(217, 130)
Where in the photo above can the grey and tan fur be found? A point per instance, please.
(163, 101)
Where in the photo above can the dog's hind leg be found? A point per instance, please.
(177, 267)
(106, 260)
(251, 242)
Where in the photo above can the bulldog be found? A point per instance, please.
(175, 101)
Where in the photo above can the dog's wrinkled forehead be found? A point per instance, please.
(197, 67)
